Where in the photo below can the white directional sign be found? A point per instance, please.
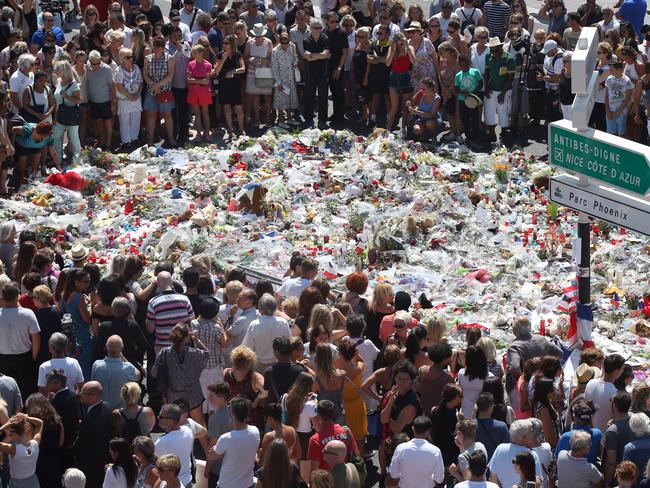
(602, 203)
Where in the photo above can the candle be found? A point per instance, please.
(619, 278)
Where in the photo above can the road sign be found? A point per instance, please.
(602, 203)
(599, 155)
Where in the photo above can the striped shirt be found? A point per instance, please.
(497, 15)
(165, 311)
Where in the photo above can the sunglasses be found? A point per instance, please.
(91, 14)
(451, 31)
(49, 20)
(95, 64)
(284, 43)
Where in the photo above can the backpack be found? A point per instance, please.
(468, 20)
(131, 427)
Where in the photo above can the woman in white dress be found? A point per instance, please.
(122, 472)
(471, 378)
(128, 85)
(25, 435)
(67, 92)
(284, 61)
(257, 54)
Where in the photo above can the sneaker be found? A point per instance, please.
(448, 137)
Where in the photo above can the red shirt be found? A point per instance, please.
(27, 302)
(386, 328)
(401, 64)
(328, 433)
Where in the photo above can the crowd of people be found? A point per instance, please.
(110, 379)
(467, 68)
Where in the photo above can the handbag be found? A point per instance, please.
(264, 77)
(296, 74)
(358, 462)
(29, 117)
(165, 97)
(68, 115)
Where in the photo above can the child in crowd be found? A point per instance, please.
(219, 423)
(199, 94)
(618, 90)
(424, 108)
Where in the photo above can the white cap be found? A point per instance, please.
(549, 46)
(74, 478)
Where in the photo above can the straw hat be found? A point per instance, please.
(585, 373)
(258, 30)
(78, 252)
(473, 101)
(414, 26)
(495, 42)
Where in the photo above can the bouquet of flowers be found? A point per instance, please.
(94, 156)
(502, 172)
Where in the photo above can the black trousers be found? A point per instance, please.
(316, 82)
(22, 368)
(598, 117)
(181, 115)
(338, 97)
(470, 118)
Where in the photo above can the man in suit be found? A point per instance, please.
(66, 404)
(90, 448)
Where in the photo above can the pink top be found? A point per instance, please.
(199, 70)
(519, 413)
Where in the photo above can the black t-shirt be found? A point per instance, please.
(338, 42)
(316, 47)
(279, 378)
(411, 398)
(154, 14)
(49, 320)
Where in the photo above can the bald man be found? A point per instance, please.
(345, 474)
(90, 448)
(114, 371)
(166, 310)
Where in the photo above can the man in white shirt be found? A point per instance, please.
(502, 470)
(175, 20)
(240, 317)
(418, 463)
(20, 340)
(58, 345)
(237, 448)
(385, 19)
(178, 440)
(602, 390)
(293, 287)
(261, 332)
(189, 13)
(477, 463)
(116, 21)
(609, 21)
(21, 79)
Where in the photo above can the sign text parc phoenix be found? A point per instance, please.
(597, 158)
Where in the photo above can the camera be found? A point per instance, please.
(53, 6)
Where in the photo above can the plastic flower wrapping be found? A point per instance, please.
(472, 237)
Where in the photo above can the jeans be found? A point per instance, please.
(181, 115)
(73, 138)
(129, 126)
(470, 118)
(617, 125)
(338, 98)
(316, 82)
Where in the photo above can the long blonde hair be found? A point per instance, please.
(65, 68)
(321, 315)
(324, 360)
(382, 295)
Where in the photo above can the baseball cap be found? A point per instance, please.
(583, 411)
(549, 46)
(174, 15)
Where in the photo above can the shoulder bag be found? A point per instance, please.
(68, 115)
(264, 77)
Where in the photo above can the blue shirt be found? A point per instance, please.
(113, 374)
(633, 11)
(38, 38)
(215, 37)
(638, 451)
(564, 443)
(27, 141)
(491, 433)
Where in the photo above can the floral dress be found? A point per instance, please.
(423, 66)
(283, 64)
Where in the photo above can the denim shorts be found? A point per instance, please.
(617, 125)
(400, 81)
(151, 105)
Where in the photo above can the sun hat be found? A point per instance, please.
(258, 30)
(414, 26)
(78, 252)
(585, 373)
(473, 101)
(495, 42)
